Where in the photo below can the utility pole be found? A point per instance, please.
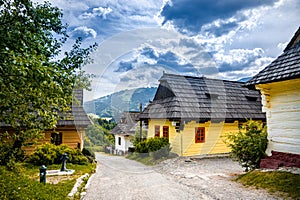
(141, 110)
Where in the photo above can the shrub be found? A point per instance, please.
(248, 146)
(158, 147)
(89, 154)
(48, 154)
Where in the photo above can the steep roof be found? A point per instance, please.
(285, 67)
(76, 116)
(200, 98)
(127, 124)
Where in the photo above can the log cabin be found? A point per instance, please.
(279, 84)
(195, 113)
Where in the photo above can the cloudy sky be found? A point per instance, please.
(139, 39)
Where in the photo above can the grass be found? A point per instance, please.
(284, 183)
(147, 159)
(23, 182)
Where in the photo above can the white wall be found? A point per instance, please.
(281, 102)
(125, 143)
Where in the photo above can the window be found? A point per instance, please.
(166, 132)
(119, 140)
(56, 138)
(199, 134)
(157, 131)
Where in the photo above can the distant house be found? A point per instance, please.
(69, 131)
(196, 112)
(279, 84)
(124, 132)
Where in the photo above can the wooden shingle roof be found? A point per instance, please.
(127, 124)
(285, 67)
(200, 98)
(76, 116)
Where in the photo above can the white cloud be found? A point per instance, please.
(85, 31)
(96, 12)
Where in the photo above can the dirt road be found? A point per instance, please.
(120, 178)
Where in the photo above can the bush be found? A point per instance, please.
(89, 154)
(248, 146)
(48, 154)
(157, 147)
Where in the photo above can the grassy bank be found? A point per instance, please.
(23, 182)
(147, 159)
(283, 183)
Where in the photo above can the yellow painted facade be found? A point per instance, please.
(281, 102)
(71, 137)
(183, 142)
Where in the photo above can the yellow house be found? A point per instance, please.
(196, 112)
(279, 84)
(69, 131)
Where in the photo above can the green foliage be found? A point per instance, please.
(248, 146)
(48, 154)
(108, 125)
(98, 134)
(136, 137)
(36, 78)
(274, 182)
(89, 154)
(157, 147)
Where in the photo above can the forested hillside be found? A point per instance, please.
(97, 135)
(113, 105)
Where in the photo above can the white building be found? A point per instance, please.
(124, 132)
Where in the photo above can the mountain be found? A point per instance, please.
(112, 106)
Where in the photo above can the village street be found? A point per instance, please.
(179, 178)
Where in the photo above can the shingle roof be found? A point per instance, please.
(127, 124)
(285, 67)
(76, 116)
(186, 97)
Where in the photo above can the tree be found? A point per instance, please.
(36, 78)
(248, 146)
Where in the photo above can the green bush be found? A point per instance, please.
(248, 146)
(48, 154)
(157, 147)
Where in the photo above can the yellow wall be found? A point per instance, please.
(183, 143)
(70, 137)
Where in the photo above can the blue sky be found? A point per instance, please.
(139, 39)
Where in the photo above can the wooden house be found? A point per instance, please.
(196, 112)
(124, 132)
(279, 84)
(69, 131)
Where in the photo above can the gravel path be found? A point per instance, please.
(179, 178)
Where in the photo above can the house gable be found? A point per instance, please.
(285, 67)
(279, 84)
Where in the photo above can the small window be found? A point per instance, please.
(56, 138)
(166, 132)
(157, 131)
(199, 134)
(119, 140)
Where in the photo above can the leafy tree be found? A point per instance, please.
(248, 146)
(36, 78)
(137, 137)
(98, 134)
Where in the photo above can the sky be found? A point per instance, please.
(140, 39)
